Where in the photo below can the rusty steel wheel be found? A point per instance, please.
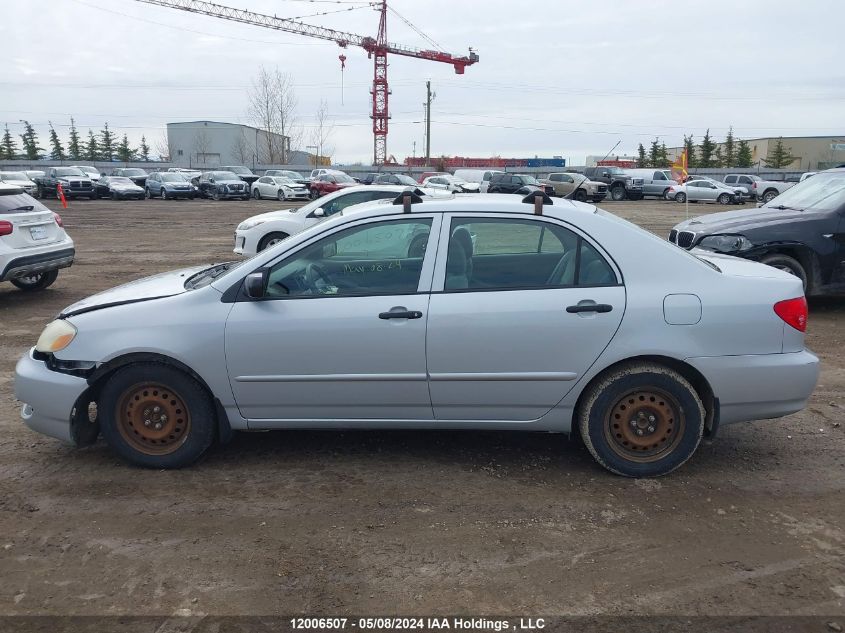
(152, 418)
(643, 425)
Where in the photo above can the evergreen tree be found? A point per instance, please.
(743, 155)
(654, 154)
(57, 152)
(663, 157)
(779, 156)
(29, 140)
(718, 158)
(729, 155)
(92, 149)
(124, 152)
(73, 150)
(690, 147)
(144, 150)
(107, 143)
(707, 150)
(8, 148)
(641, 157)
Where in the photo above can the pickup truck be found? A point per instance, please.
(763, 190)
(565, 183)
(75, 183)
(620, 185)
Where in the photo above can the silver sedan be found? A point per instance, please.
(704, 190)
(473, 312)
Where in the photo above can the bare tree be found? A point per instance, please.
(322, 131)
(163, 147)
(272, 108)
(201, 145)
(242, 150)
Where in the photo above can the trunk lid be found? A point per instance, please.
(33, 224)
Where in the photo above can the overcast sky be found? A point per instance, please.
(556, 77)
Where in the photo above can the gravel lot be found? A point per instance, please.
(406, 522)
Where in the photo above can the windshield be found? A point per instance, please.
(224, 175)
(343, 178)
(68, 171)
(283, 181)
(172, 178)
(531, 180)
(406, 180)
(120, 180)
(13, 175)
(615, 171)
(134, 172)
(822, 192)
(90, 170)
(292, 174)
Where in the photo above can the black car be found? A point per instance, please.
(136, 175)
(117, 188)
(395, 179)
(244, 173)
(802, 231)
(369, 179)
(517, 183)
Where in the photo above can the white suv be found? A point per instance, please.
(262, 231)
(33, 244)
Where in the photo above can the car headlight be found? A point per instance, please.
(55, 337)
(246, 225)
(726, 243)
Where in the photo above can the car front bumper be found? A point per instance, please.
(51, 257)
(759, 386)
(246, 242)
(48, 397)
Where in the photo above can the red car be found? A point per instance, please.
(328, 183)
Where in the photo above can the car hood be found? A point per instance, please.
(229, 182)
(123, 185)
(743, 220)
(19, 183)
(155, 287)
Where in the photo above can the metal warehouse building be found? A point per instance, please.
(207, 144)
(812, 153)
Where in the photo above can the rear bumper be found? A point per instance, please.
(760, 386)
(39, 263)
(48, 397)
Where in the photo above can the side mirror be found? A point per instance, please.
(319, 213)
(254, 285)
(330, 250)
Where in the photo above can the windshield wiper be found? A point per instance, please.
(29, 208)
(782, 207)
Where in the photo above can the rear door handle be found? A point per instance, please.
(401, 314)
(590, 307)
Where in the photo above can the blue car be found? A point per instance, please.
(168, 185)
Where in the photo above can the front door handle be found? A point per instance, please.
(590, 307)
(401, 314)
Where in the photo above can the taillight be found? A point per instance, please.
(6, 227)
(58, 219)
(794, 312)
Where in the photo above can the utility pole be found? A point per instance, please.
(427, 123)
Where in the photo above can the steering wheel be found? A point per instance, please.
(313, 274)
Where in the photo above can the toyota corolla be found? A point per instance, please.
(532, 315)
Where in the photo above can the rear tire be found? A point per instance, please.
(769, 195)
(36, 282)
(788, 264)
(154, 415)
(641, 420)
(271, 239)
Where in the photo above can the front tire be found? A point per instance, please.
(36, 282)
(641, 420)
(280, 196)
(215, 195)
(581, 195)
(271, 239)
(163, 193)
(156, 416)
(724, 198)
(788, 264)
(617, 193)
(680, 197)
(256, 194)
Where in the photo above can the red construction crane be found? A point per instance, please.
(377, 48)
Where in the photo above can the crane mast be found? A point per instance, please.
(377, 48)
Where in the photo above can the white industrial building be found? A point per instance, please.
(207, 144)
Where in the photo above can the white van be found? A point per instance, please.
(481, 176)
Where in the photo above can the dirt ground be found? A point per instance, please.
(406, 522)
